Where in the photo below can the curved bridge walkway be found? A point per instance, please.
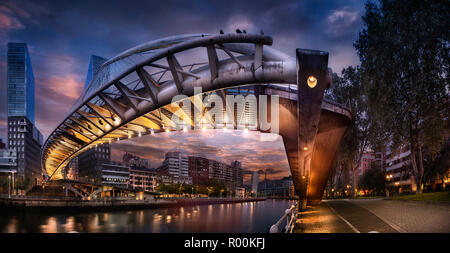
(141, 91)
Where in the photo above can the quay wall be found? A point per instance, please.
(111, 204)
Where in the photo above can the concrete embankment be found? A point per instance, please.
(41, 203)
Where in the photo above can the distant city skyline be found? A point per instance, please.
(247, 148)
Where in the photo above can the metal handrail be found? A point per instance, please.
(290, 215)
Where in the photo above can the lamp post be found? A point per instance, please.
(13, 185)
(388, 178)
(9, 186)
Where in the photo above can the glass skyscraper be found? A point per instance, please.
(23, 136)
(20, 81)
(95, 63)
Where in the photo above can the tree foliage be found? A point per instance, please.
(404, 53)
(348, 89)
(373, 180)
(213, 189)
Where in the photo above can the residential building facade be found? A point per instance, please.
(176, 164)
(398, 171)
(26, 139)
(90, 162)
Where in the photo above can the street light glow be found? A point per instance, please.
(116, 120)
(312, 81)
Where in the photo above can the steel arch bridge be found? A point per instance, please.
(131, 95)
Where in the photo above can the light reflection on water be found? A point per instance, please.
(228, 218)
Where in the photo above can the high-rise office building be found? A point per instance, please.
(89, 163)
(23, 136)
(20, 82)
(255, 181)
(238, 178)
(95, 63)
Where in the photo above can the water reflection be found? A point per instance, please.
(239, 217)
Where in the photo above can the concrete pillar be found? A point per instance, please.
(312, 80)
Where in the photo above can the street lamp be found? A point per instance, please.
(13, 186)
(9, 186)
(388, 178)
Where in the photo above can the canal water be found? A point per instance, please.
(249, 217)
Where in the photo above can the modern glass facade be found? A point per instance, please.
(94, 66)
(20, 81)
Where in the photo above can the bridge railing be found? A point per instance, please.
(289, 217)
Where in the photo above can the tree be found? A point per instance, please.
(373, 179)
(404, 54)
(348, 90)
(437, 167)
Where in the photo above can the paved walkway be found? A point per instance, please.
(410, 216)
(374, 216)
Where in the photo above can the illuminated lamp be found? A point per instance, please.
(312, 81)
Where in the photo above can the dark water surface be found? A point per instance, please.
(238, 217)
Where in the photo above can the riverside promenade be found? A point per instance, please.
(377, 215)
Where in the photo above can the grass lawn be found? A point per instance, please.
(431, 196)
(369, 197)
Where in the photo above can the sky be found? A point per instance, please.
(61, 36)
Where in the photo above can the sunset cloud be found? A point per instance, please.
(7, 22)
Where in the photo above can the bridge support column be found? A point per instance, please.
(312, 80)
